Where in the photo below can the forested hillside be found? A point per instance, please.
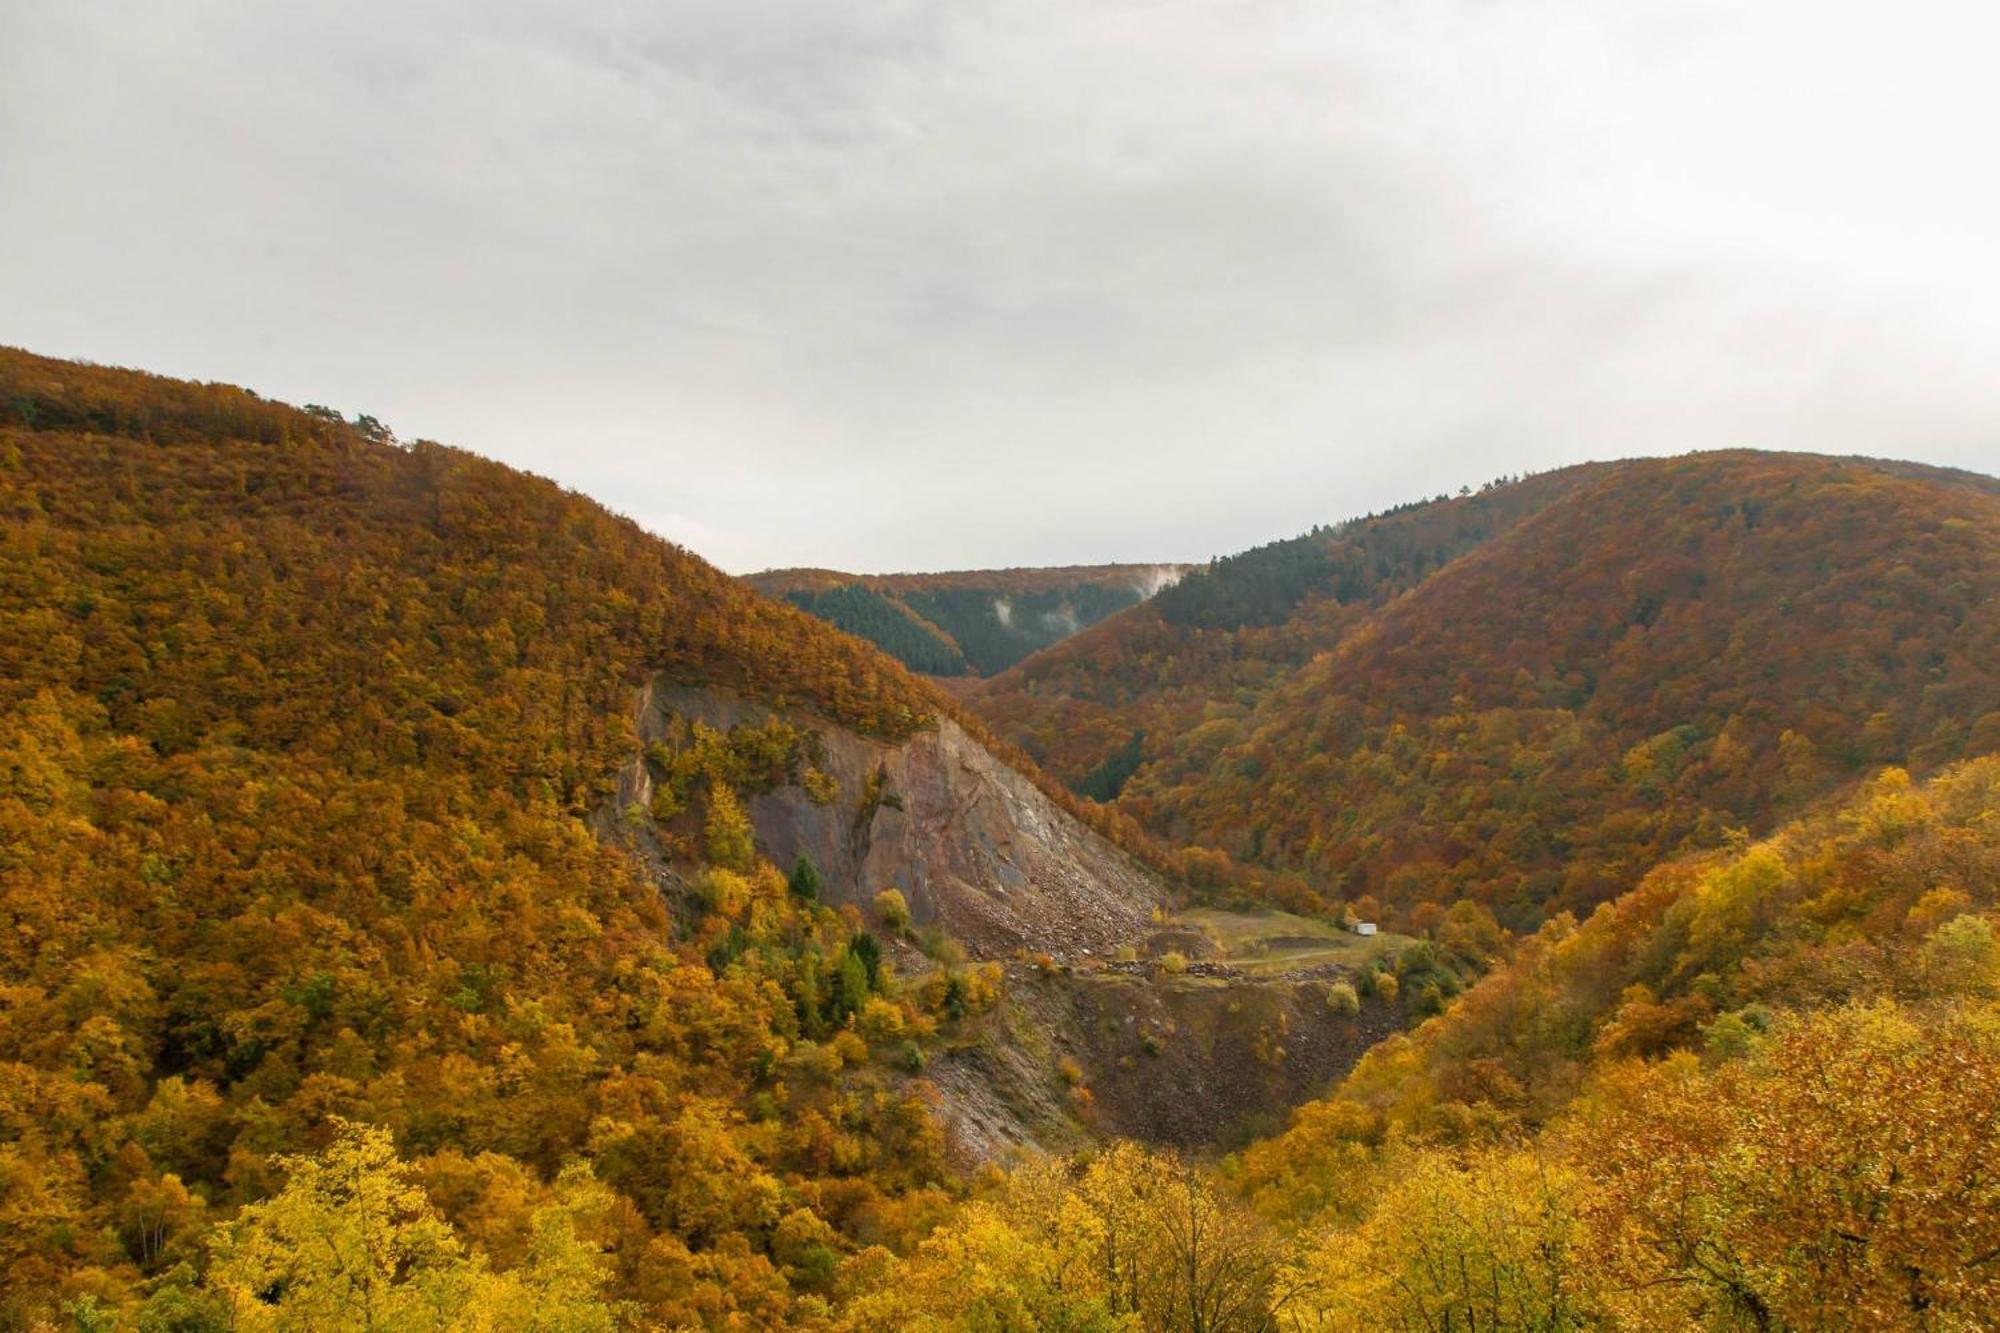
(883, 620)
(1647, 655)
(1887, 896)
(386, 939)
(1761, 1091)
(971, 621)
(303, 738)
(1127, 691)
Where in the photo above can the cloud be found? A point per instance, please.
(908, 283)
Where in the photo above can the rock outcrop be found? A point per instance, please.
(970, 842)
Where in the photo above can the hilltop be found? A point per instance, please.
(1526, 696)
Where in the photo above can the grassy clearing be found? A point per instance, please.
(1266, 942)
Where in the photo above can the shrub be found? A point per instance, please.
(880, 1022)
(893, 909)
(939, 947)
(1962, 956)
(724, 892)
(1342, 999)
(821, 788)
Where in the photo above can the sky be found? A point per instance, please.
(904, 284)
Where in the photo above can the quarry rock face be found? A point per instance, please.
(970, 842)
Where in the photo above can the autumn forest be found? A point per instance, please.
(432, 901)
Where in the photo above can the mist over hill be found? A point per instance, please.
(969, 622)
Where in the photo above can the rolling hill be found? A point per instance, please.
(1756, 1091)
(1844, 904)
(1097, 706)
(1526, 697)
(346, 783)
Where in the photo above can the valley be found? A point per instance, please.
(1116, 1011)
(1405, 924)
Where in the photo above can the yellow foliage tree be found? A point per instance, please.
(1489, 1241)
(349, 1242)
(1840, 1176)
(730, 840)
(353, 1242)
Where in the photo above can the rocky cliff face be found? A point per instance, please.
(1088, 1040)
(969, 841)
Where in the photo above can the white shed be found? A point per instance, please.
(1364, 927)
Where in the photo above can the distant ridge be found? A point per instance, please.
(968, 622)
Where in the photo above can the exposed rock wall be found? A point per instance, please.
(970, 842)
(1192, 1060)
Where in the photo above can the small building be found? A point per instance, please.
(1364, 927)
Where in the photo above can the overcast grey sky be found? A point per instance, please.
(895, 284)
